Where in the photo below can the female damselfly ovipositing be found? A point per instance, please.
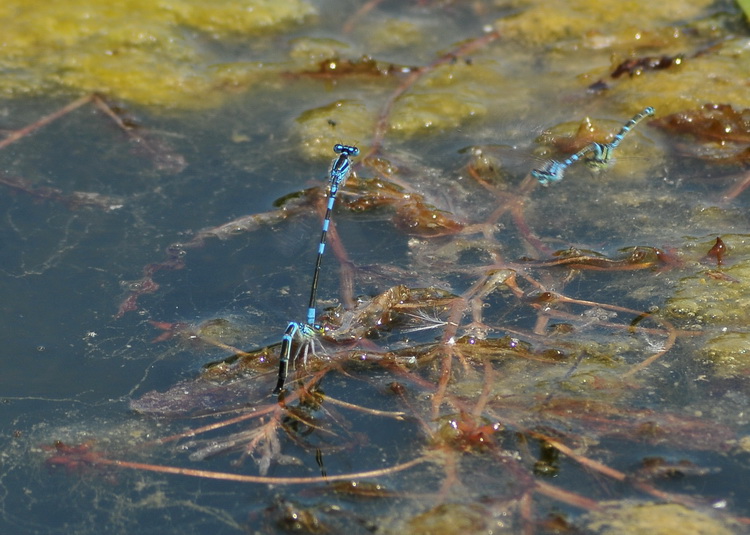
(305, 333)
(601, 153)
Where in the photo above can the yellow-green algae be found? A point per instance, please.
(714, 298)
(447, 97)
(730, 354)
(444, 98)
(600, 35)
(138, 50)
(743, 444)
(394, 33)
(308, 52)
(321, 128)
(715, 77)
(654, 519)
(452, 519)
(602, 25)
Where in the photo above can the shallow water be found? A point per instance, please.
(524, 364)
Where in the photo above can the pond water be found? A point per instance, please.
(499, 356)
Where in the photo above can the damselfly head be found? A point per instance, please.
(349, 150)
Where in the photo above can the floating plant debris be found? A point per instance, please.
(715, 132)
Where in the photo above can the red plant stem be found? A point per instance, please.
(244, 478)
(47, 119)
(564, 496)
(346, 266)
(361, 12)
(616, 474)
(489, 375)
(526, 506)
(459, 51)
(528, 234)
(737, 189)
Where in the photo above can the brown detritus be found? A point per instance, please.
(660, 468)
(718, 251)
(463, 433)
(638, 66)
(333, 68)
(634, 258)
(714, 132)
(413, 215)
(73, 458)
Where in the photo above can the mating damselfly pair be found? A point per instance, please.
(299, 338)
(596, 155)
(306, 332)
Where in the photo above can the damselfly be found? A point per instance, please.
(303, 335)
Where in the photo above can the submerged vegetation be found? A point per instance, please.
(495, 357)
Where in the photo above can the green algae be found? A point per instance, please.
(320, 128)
(729, 353)
(598, 25)
(654, 519)
(445, 98)
(394, 33)
(419, 112)
(451, 519)
(310, 51)
(711, 77)
(710, 296)
(718, 297)
(632, 29)
(152, 53)
(743, 444)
